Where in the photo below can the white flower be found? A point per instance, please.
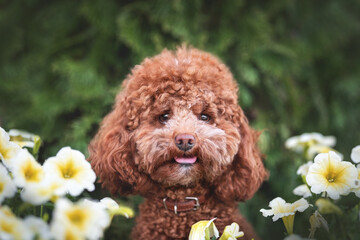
(299, 143)
(286, 211)
(26, 169)
(316, 149)
(303, 191)
(8, 150)
(203, 230)
(38, 193)
(331, 175)
(38, 227)
(71, 167)
(84, 218)
(231, 232)
(7, 186)
(280, 208)
(22, 138)
(115, 209)
(11, 227)
(355, 154)
(303, 169)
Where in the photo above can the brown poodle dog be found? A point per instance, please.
(177, 136)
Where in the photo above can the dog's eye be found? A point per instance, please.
(204, 117)
(164, 118)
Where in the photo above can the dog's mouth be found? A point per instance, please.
(185, 160)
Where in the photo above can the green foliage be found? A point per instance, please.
(297, 64)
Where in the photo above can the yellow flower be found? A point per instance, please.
(71, 167)
(231, 232)
(286, 211)
(84, 218)
(8, 150)
(304, 141)
(203, 230)
(39, 227)
(326, 207)
(38, 193)
(25, 139)
(26, 169)
(11, 227)
(115, 209)
(7, 186)
(316, 149)
(331, 175)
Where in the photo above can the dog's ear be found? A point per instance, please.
(111, 153)
(246, 173)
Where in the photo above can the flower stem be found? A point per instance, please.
(41, 211)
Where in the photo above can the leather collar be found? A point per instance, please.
(189, 204)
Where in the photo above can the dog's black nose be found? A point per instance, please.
(185, 142)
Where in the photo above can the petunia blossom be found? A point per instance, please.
(281, 209)
(8, 149)
(203, 230)
(84, 219)
(39, 193)
(39, 227)
(114, 208)
(10, 226)
(305, 140)
(7, 186)
(316, 149)
(331, 175)
(232, 232)
(26, 169)
(71, 167)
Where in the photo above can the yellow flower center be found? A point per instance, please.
(2, 187)
(4, 151)
(331, 177)
(310, 143)
(77, 217)
(7, 227)
(68, 170)
(70, 236)
(32, 172)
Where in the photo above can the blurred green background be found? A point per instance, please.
(297, 64)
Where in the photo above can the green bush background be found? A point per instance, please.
(297, 64)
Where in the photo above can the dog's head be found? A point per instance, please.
(177, 123)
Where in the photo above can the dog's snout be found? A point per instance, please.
(185, 142)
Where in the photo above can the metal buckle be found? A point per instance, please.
(164, 201)
(197, 204)
(175, 205)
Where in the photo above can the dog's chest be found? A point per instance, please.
(165, 224)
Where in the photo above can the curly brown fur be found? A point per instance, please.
(134, 150)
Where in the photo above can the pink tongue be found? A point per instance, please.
(189, 160)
